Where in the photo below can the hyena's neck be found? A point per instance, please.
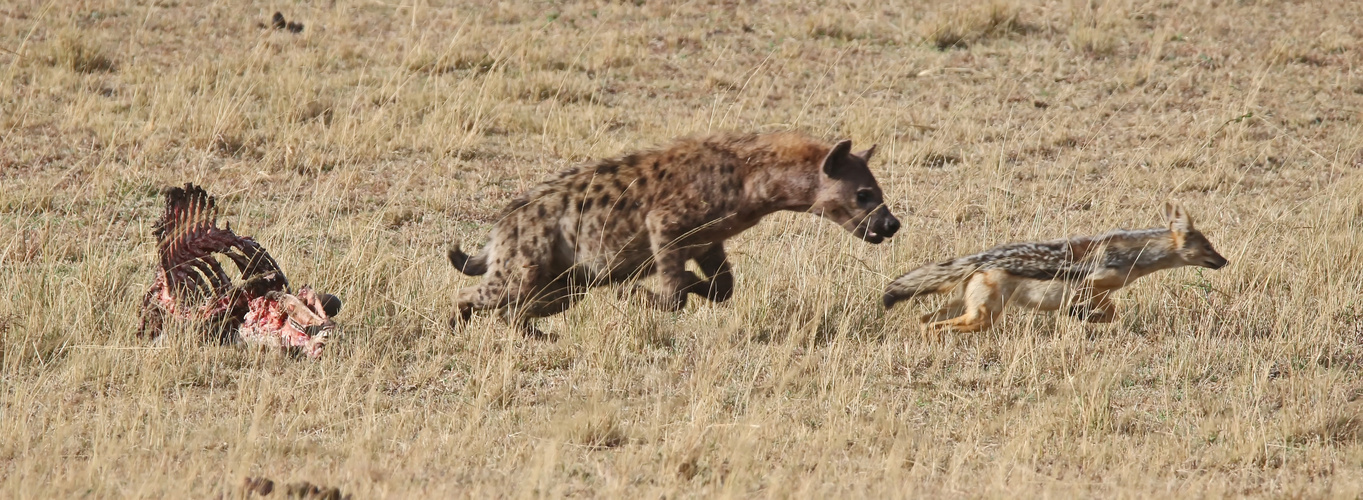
(774, 188)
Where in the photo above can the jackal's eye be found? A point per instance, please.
(864, 196)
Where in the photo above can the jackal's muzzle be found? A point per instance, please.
(1214, 261)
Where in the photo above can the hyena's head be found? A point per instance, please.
(1192, 246)
(849, 195)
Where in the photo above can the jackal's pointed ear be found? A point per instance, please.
(866, 155)
(1179, 220)
(833, 161)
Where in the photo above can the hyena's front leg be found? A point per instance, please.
(669, 258)
(719, 285)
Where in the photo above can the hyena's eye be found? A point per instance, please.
(864, 196)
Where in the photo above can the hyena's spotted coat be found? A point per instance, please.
(650, 212)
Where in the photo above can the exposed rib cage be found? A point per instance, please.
(190, 282)
(187, 236)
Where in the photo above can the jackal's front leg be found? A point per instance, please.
(1097, 309)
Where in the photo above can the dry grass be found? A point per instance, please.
(359, 148)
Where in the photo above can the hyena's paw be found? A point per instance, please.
(460, 319)
(651, 298)
(624, 292)
(718, 290)
(714, 290)
(525, 324)
(530, 332)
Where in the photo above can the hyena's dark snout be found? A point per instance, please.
(889, 225)
(883, 223)
(877, 226)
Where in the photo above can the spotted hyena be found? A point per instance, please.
(650, 212)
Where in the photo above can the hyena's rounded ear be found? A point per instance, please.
(1179, 220)
(866, 155)
(833, 162)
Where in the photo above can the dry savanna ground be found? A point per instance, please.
(359, 148)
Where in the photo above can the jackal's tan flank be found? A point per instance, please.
(1081, 272)
(652, 211)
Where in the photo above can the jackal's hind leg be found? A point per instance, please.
(982, 301)
(928, 322)
(949, 310)
(976, 320)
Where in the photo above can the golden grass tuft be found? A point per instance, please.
(74, 52)
(596, 429)
(968, 26)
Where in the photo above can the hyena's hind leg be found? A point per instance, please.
(553, 299)
(498, 290)
(982, 303)
(480, 297)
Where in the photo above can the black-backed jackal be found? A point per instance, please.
(1080, 273)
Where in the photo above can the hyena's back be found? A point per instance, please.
(592, 219)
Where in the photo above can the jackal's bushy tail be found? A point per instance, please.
(926, 280)
(472, 266)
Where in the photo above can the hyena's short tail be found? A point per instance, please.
(926, 280)
(472, 266)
